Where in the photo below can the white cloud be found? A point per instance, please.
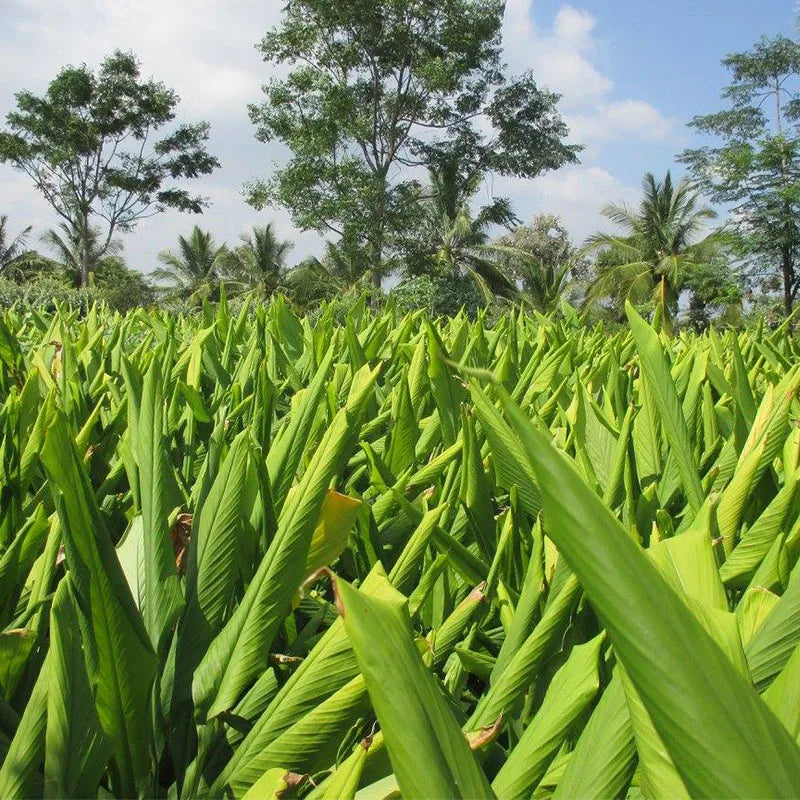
(564, 58)
(576, 194)
(561, 59)
(622, 119)
(205, 49)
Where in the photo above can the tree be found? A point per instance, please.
(12, 249)
(120, 286)
(259, 263)
(88, 146)
(756, 168)
(542, 258)
(76, 248)
(198, 268)
(376, 87)
(661, 243)
(452, 239)
(111, 278)
(713, 289)
(343, 270)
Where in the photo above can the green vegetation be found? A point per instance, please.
(87, 146)
(527, 525)
(395, 117)
(756, 170)
(242, 553)
(377, 86)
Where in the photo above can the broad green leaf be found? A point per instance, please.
(656, 372)
(238, 654)
(604, 758)
(120, 660)
(162, 598)
(76, 750)
(571, 690)
(693, 693)
(428, 751)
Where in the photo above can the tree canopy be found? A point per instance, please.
(376, 89)
(88, 144)
(660, 243)
(756, 168)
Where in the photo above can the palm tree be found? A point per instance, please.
(259, 263)
(344, 269)
(198, 268)
(455, 241)
(68, 244)
(542, 260)
(12, 250)
(661, 243)
(545, 284)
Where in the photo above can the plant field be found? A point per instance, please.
(251, 555)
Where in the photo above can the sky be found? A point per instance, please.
(631, 73)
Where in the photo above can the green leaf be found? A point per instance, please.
(121, 663)
(76, 749)
(162, 599)
(570, 691)
(238, 654)
(21, 770)
(428, 751)
(656, 372)
(693, 693)
(604, 758)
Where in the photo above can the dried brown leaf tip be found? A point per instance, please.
(478, 594)
(294, 782)
(279, 659)
(180, 536)
(485, 735)
(20, 632)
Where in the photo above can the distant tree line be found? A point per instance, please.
(394, 115)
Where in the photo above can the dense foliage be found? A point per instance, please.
(367, 89)
(88, 145)
(242, 554)
(754, 163)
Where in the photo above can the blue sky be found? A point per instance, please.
(669, 54)
(632, 75)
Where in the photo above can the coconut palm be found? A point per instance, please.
(197, 269)
(67, 243)
(542, 260)
(661, 242)
(456, 241)
(259, 263)
(12, 249)
(344, 269)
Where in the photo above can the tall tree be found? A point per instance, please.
(453, 239)
(197, 269)
(756, 168)
(342, 270)
(259, 263)
(375, 86)
(661, 242)
(88, 144)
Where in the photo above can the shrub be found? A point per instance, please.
(438, 295)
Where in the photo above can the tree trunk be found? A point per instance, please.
(788, 281)
(84, 251)
(377, 239)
